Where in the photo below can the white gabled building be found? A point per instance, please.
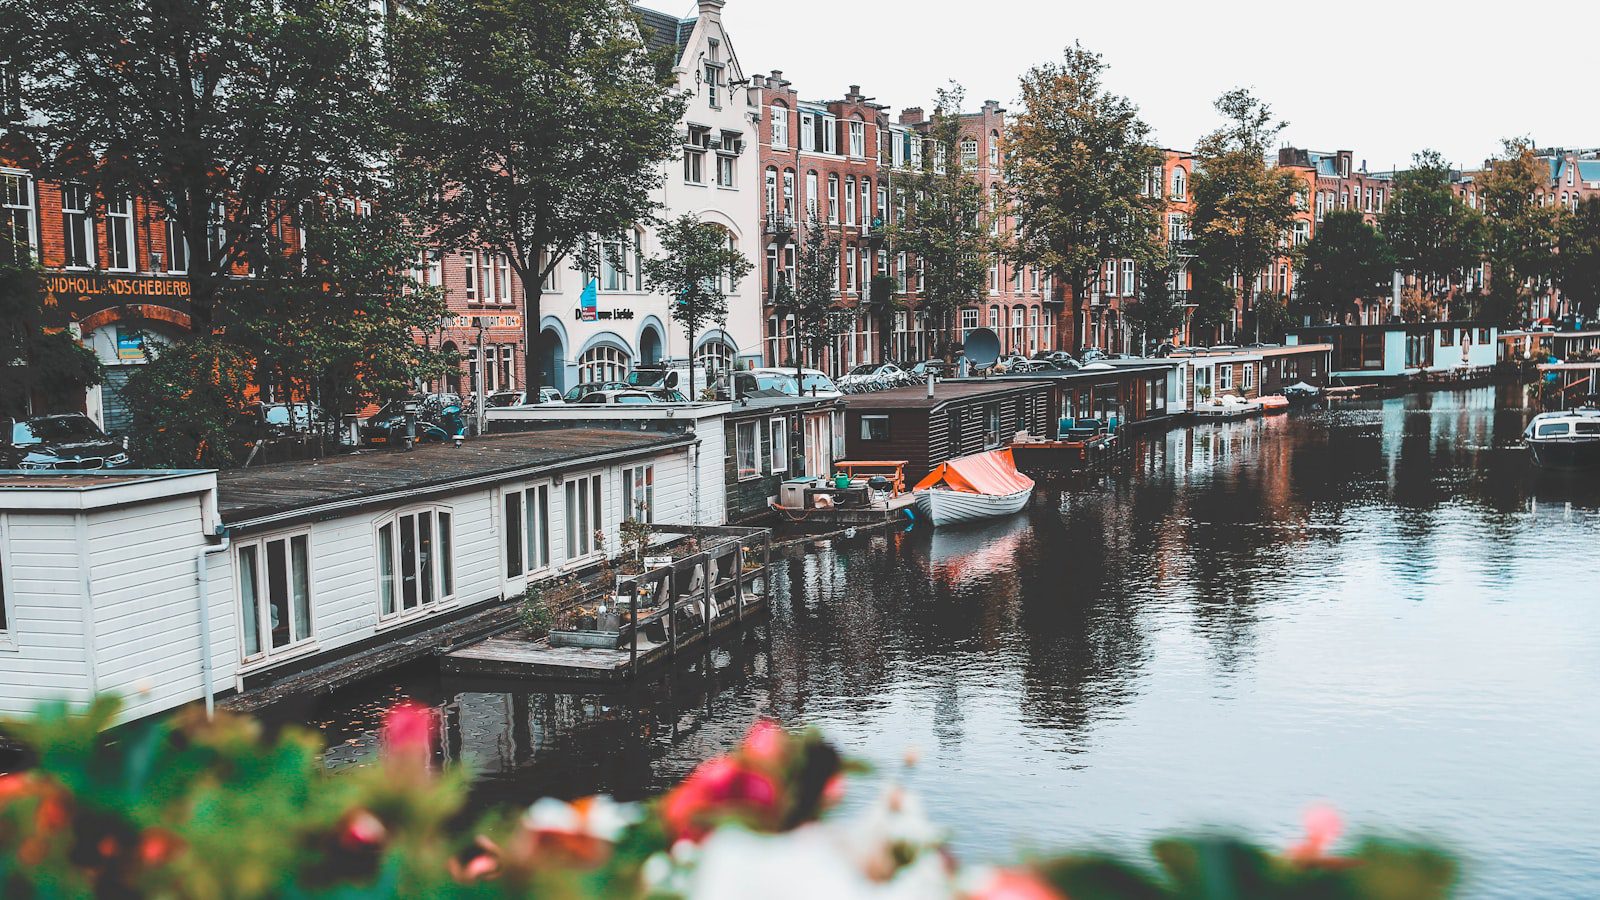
(716, 178)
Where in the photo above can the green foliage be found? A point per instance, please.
(242, 106)
(814, 301)
(1578, 263)
(883, 301)
(42, 363)
(1432, 231)
(1078, 159)
(946, 220)
(191, 405)
(1521, 231)
(534, 612)
(1242, 208)
(543, 124)
(1158, 311)
(697, 268)
(1347, 260)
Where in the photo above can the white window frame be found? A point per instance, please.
(1249, 376)
(23, 204)
(727, 171)
(8, 620)
(639, 489)
(808, 132)
(858, 139)
(176, 238)
(780, 126)
(833, 198)
(82, 225)
(1225, 377)
(587, 493)
(120, 236)
(535, 545)
(469, 282)
(747, 447)
(441, 584)
(778, 445)
(261, 588)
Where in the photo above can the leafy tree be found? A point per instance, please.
(545, 124)
(1578, 263)
(1431, 230)
(1273, 315)
(43, 365)
(191, 405)
(336, 320)
(1242, 208)
(1078, 160)
(1158, 312)
(1212, 294)
(697, 269)
(883, 301)
(1347, 260)
(946, 220)
(815, 297)
(1522, 232)
(228, 115)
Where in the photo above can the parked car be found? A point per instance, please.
(936, 367)
(671, 373)
(578, 392)
(291, 418)
(505, 399)
(438, 419)
(1090, 354)
(613, 397)
(757, 383)
(870, 372)
(812, 382)
(62, 442)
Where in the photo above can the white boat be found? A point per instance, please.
(973, 489)
(1228, 406)
(1566, 439)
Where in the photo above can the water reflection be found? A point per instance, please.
(1382, 605)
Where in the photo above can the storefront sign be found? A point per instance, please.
(497, 322)
(80, 294)
(603, 314)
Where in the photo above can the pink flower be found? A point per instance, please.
(766, 743)
(408, 731)
(719, 786)
(1323, 827)
(362, 831)
(1014, 884)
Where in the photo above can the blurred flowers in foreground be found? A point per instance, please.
(190, 808)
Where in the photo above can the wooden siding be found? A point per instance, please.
(42, 653)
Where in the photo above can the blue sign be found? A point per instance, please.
(588, 302)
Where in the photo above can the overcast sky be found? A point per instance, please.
(1383, 79)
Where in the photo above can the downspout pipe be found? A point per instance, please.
(203, 580)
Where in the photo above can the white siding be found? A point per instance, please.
(42, 655)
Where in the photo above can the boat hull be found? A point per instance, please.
(1565, 453)
(943, 508)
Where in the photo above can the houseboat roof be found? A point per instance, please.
(1394, 326)
(1272, 350)
(284, 492)
(943, 392)
(749, 406)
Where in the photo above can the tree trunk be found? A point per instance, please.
(532, 299)
(689, 327)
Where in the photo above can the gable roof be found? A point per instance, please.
(662, 31)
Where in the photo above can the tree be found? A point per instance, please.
(545, 124)
(43, 366)
(883, 301)
(1347, 260)
(1158, 312)
(191, 405)
(1242, 208)
(815, 297)
(1431, 230)
(1078, 159)
(227, 115)
(1521, 230)
(1578, 263)
(946, 220)
(698, 269)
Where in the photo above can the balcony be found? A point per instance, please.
(779, 226)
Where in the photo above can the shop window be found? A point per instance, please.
(274, 578)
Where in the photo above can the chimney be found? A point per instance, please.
(912, 115)
(758, 80)
(711, 9)
(854, 96)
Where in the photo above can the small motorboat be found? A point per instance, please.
(1569, 439)
(973, 489)
(1274, 403)
(1300, 392)
(1228, 406)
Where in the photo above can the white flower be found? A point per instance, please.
(597, 817)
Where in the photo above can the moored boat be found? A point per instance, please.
(1565, 440)
(1228, 406)
(972, 489)
(1274, 403)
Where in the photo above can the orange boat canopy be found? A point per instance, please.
(994, 473)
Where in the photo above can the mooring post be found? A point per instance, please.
(738, 581)
(766, 564)
(672, 612)
(707, 593)
(633, 628)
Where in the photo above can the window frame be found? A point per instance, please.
(589, 488)
(262, 589)
(778, 445)
(80, 227)
(120, 236)
(869, 433)
(27, 195)
(535, 549)
(741, 471)
(442, 571)
(8, 619)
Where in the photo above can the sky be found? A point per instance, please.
(1382, 79)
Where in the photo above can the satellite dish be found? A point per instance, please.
(982, 347)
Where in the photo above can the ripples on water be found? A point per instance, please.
(1382, 607)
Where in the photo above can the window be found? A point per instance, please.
(991, 426)
(1302, 232)
(1180, 184)
(603, 363)
(808, 132)
(994, 150)
(178, 250)
(747, 450)
(866, 202)
(639, 492)
(1249, 376)
(119, 234)
(994, 318)
(274, 594)
(849, 270)
(780, 126)
(527, 530)
(811, 195)
(778, 445)
(619, 262)
(17, 237)
(694, 164)
(469, 280)
(969, 153)
(583, 515)
(874, 428)
(78, 226)
(416, 561)
(713, 84)
(1127, 278)
(969, 319)
(1447, 337)
(4, 622)
(772, 192)
(849, 200)
(726, 171)
(858, 139)
(788, 193)
(1224, 377)
(1177, 228)
(833, 199)
(714, 358)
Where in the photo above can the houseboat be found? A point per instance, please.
(175, 587)
(959, 418)
(1368, 354)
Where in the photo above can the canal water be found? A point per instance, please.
(1381, 607)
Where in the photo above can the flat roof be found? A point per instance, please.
(749, 405)
(86, 480)
(943, 392)
(1394, 326)
(294, 490)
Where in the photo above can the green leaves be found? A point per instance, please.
(1347, 260)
